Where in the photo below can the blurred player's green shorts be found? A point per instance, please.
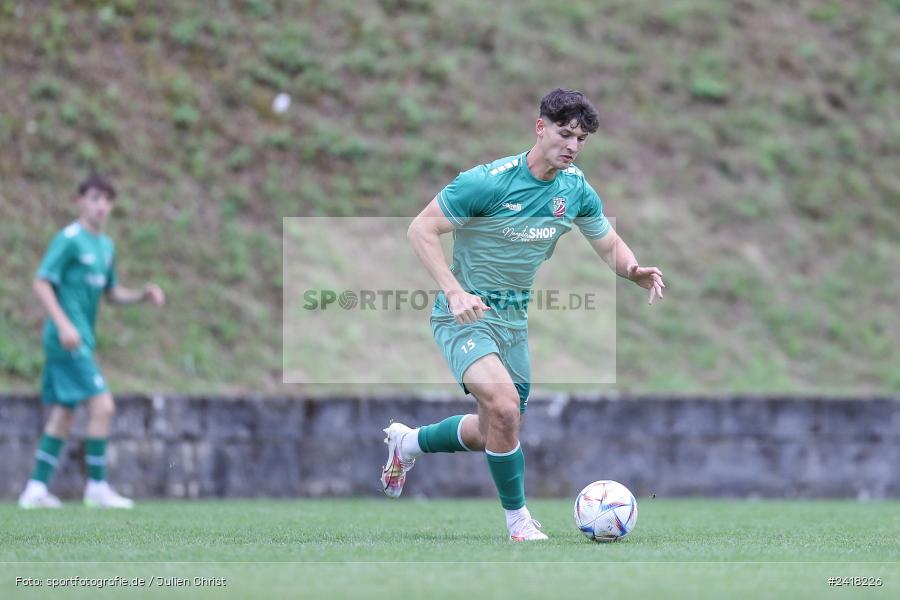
(69, 381)
(463, 344)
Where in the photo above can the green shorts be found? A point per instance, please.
(463, 344)
(70, 381)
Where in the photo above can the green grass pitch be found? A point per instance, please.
(373, 548)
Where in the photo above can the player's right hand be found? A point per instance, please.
(466, 307)
(69, 337)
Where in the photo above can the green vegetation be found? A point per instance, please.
(749, 149)
(343, 548)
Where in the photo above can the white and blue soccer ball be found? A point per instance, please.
(605, 511)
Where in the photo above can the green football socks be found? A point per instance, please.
(95, 457)
(443, 437)
(46, 457)
(507, 468)
(508, 471)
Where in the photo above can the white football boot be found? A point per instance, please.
(393, 475)
(526, 530)
(36, 495)
(99, 494)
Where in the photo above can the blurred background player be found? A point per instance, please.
(507, 217)
(79, 265)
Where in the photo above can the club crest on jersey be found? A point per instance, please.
(559, 207)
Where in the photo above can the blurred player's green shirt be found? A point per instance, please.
(81, 266)
(507, 223)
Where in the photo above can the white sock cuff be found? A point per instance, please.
(513, 516)
(513, 451)
(459, 433)
(409, 445)
(517, 512)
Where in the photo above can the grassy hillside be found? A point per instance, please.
(750, 149)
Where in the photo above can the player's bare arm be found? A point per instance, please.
(68, 334)
(150, 293)
(424, 234)
(616, 253)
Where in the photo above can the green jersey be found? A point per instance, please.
(507, 223)
(81, 266)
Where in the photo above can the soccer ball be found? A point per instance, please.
(605, 511)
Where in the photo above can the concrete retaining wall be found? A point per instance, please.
(170, 446)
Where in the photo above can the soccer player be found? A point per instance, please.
(79, 266)
(506, 217)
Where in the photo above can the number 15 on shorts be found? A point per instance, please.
(468, 345)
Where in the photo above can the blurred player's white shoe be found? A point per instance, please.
(99, 494)
(393, 475)
(526, 530)
(36, 495)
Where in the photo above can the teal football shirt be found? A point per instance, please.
(507, 223)
(81, 266)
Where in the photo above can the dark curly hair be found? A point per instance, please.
(96, 182)
(561, 106)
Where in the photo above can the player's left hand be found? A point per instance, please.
(154, 294)
(649, 278)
